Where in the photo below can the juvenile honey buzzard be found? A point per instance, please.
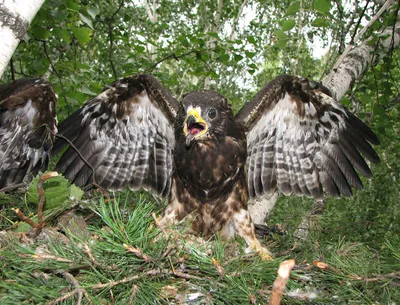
(292, 136)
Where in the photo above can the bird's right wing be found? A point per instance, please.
(126, 134)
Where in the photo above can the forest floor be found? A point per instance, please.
(101, 248)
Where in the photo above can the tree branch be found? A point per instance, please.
(54, 69)
(355, 60)
(356, 38)
(172, 55)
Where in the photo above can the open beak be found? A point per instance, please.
(194, 126)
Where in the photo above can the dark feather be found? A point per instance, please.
(125, 134)
(27, 127)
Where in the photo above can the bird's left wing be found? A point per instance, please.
(303, 141)
(27, 127)
(125, 134)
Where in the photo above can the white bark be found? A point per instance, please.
(340, 79)
(151, 9)
(260, 208)
(212, 42)
(232, 36)
(15, 17)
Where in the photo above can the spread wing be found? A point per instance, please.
(303, 141)
(125, 133)
(27, 127)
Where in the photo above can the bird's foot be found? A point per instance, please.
(264, 253)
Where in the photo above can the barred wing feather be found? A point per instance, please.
(126, 134)
(27, 127)
(302, 141)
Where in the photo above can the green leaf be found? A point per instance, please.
(24, 227)
(238, 57)
(40, 32)
(82, 66)
(5, 198)
(214, 75)
(204, 56)
(77, 79)
(320, 22)
(59, 15)
(86, 90)
(76, 193)
(183, 40)
(63, 34)
(82, 34)
(72, 5)
(253, 66)
(345, 101)
(41, 65)
(139, 49)
(93, 11)
(56, 192)
(198, 71)
(86, 20)
(281, 34)
(288, 25)
(378, 110)
(250, 54)
(281, 43)
(224, 58)
(251, 39)
(322, 6)
(213, 34)
(293, 8)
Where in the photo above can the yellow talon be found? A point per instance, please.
(263, 252)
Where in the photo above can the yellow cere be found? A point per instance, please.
(196, 113)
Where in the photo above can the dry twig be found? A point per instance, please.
(377, 277)
(42, 199)
(40, 225)
(77, 291)
(24, 218)
(280, 283)
(217, 266)
(357, 37)
(158, 224)
(126, 279)
(134, 290)
(138, 252)
(13, 187)
(153, 272)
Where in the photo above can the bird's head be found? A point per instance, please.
(206, 114)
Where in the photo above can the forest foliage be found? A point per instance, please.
(93, 241)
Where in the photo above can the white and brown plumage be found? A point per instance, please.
(27, 127)
(293, 136)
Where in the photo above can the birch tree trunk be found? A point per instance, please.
(15, 17)
(151, 9)
(358, 59)
(338, 81)
(212, 42)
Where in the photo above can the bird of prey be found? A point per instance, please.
(207, 161)
(27, 127)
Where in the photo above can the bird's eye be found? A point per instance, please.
(212, 113)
